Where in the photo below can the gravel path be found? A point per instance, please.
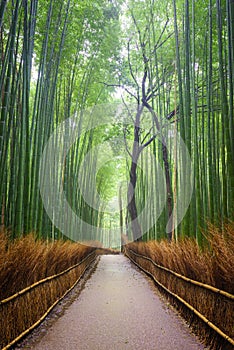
(118, 309)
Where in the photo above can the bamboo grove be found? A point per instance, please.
(186, 51)
(173, 59)
(52, 57)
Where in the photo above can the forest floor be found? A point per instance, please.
(119, 308)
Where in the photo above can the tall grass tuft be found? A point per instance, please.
(221, 254)
(26, 261)
(213, 264)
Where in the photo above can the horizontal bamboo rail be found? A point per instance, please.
(200, 284)
(36, 284)
(184, 302)
(44, 280)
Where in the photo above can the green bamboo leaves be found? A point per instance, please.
(53, 57)
(202, 86)
(58, 58)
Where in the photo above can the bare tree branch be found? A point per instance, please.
(160, 36)
(173, 113)
(148, 133)
(125, 104)
(142, 42)
(143, 84)
(149, 141)
(147, 105)
(151, 92)
(120, 86)
(125, 142)
(131, 94)
(131, 70)
(136, 25)
(164, 41)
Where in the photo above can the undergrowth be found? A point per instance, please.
(27, 260)
(212, 264)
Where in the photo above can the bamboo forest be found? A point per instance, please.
(117, 139)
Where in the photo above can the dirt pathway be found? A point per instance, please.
(118, 309)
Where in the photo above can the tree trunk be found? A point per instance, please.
(120, 210)
(136, 228)
(168, 188)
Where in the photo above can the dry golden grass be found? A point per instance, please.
(222, 256)
(26, 261)
(107, 251)
(213, 265)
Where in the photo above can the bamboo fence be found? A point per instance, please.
(197, 301)
(26, 309)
